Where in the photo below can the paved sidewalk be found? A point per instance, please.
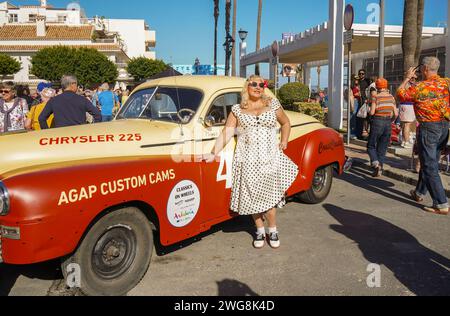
(396, 167)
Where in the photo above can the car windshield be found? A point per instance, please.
(171, 104)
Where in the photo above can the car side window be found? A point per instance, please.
(221, 107)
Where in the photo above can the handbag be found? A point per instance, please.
(363, 111)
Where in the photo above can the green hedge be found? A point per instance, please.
(311, 109)
(293, 92)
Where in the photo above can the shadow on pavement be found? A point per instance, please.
(43, 271)
(423, 271)
(362, 179)
(235, 225)
(229, 287)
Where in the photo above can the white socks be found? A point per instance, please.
(273, 230)
(261, 231)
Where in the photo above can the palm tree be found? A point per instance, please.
(227, 32)
(216, 19)
(412, 32)
(233, 53)
(258, 33)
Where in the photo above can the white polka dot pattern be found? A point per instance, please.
(262, 173)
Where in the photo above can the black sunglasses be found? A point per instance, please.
(5, 91)
(362, 73)
(256, 84)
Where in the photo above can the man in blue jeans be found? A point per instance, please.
(107, 99)
(431, 105)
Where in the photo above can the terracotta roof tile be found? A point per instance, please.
(35, 48)
(54, 32)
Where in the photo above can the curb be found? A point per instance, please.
(393, 175)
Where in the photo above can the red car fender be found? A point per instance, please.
(324, 147)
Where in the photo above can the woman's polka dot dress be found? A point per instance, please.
(262, 173)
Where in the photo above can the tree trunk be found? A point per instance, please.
(216, 19)
(258, 34)
(233, 54)
(420, 13)
(412, 32)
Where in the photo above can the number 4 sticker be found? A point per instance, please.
(226, 161)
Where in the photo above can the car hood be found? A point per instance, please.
(124, 138)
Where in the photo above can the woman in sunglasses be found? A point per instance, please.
(262, 173)
(13, 110)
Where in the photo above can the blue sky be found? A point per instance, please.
(185, 29)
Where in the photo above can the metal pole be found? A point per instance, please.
(381, 41)
(349, 112)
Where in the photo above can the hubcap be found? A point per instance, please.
(114, 253)
(319, 181)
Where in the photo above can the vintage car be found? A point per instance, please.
(96, 195)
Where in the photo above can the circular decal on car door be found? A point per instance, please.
(183, 204)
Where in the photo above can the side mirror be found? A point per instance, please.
(209, 121)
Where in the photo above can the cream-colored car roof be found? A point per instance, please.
(207, 83)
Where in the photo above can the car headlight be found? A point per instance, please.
(4, 200)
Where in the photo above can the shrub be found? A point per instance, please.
(8, 66)
(291, 93)
(89, 65)
(311, 109)
(142, 68)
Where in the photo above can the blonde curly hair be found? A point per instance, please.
(245, 96)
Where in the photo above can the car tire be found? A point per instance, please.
(320, 187)
(114, 256)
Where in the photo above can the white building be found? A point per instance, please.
(24, 30)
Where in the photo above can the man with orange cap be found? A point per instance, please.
(383, 110)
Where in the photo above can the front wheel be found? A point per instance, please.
(320, 188)
(114, 256)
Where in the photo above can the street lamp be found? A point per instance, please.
(228, 46)
(242, 34)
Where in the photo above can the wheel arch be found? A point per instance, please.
(144, 207)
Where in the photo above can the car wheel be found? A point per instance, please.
(114, 255)
(320, 187)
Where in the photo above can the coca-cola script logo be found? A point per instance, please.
(330, 146)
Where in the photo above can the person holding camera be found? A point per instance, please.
(431, 106)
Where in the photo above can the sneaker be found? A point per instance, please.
(274, 240)
(377, 172)
(259, 241)
(407, 146)
(415, 197)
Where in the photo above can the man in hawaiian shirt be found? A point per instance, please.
(431, 105)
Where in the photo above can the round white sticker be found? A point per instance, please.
(183, 204)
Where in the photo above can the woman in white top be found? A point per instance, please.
(13, 110)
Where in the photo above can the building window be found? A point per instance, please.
(13, 18)
(62, 18)
(32, 18)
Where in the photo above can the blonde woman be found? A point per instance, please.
(32, 121)
(262, 173)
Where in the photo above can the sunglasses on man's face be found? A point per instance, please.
(5, 91)
(362, 74)
(254, 84)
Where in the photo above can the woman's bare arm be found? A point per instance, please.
(285, 128)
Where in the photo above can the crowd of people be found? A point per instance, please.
(422, 105)
(51, 107)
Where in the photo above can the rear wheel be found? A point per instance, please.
(320, 188)
(115, 254)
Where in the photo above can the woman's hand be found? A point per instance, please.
(283, 146)
(209, 158)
